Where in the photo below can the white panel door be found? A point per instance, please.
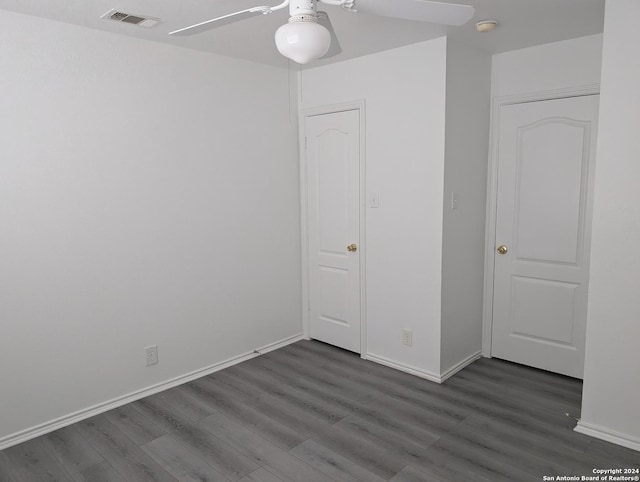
(546, 156)
(333, 194)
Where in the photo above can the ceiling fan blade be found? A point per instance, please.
(334, 48)
(420, 10)
(220, 21)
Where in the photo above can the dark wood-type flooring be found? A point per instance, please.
(310, 412)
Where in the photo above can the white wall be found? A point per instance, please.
(148, 195)
(465, 173)
(556, 65)
(404, 91)
(611, 396)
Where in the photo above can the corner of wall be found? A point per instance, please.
(611, 393)
(466, 151)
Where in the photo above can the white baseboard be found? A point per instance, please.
(433, 377)
(46, 427)
(608, 435)
(460, 365)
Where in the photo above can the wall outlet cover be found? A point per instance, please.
(151, 355)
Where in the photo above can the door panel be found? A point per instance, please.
(333, 190)
(546, 156)
(334, 305)
(550, 153)
(543, 309)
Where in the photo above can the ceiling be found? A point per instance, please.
(522, 23)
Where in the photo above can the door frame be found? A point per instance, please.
(358, 105)
(492, 190)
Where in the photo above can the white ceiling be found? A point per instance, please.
(523, 23)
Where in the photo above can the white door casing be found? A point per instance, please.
(333, 192)
(546, 154)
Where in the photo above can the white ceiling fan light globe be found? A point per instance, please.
(303, 40)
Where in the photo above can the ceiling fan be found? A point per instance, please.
(309, 34)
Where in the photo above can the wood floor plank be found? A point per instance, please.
(517, 397)
(601, 453)
(392, 441)
(337, 467)
(360, 450)
(505, 453)
(250, 417)
(564, 391)
(297, 417)
(532, 375)
(323, 354)
(528, 418)
(276, 409)
(318, 380)
(72, 450)
(214, 451)
(351, 374)
(436, 406)
(181, 462)
(226, 386)
(5, 475)
(307, 386)
(261, 475)
(275, 460)
(134, 425)
(441, 465)
(32, 461)
(474, 461)
(300, 358)
(102, 472)
(411, 474)
(414, 420)
(403, 425)
(329, 413)
(352, 389)
(543, 446)
(405, 450)
(121, 452)
(183, 405)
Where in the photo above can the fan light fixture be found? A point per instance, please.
(303, 39)
(309, 35)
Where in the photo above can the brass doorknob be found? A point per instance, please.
(352, 248)
(502, 249)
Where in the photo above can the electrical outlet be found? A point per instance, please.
(151, 355)
(407, 337)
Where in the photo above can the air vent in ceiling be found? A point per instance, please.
(138, 20)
